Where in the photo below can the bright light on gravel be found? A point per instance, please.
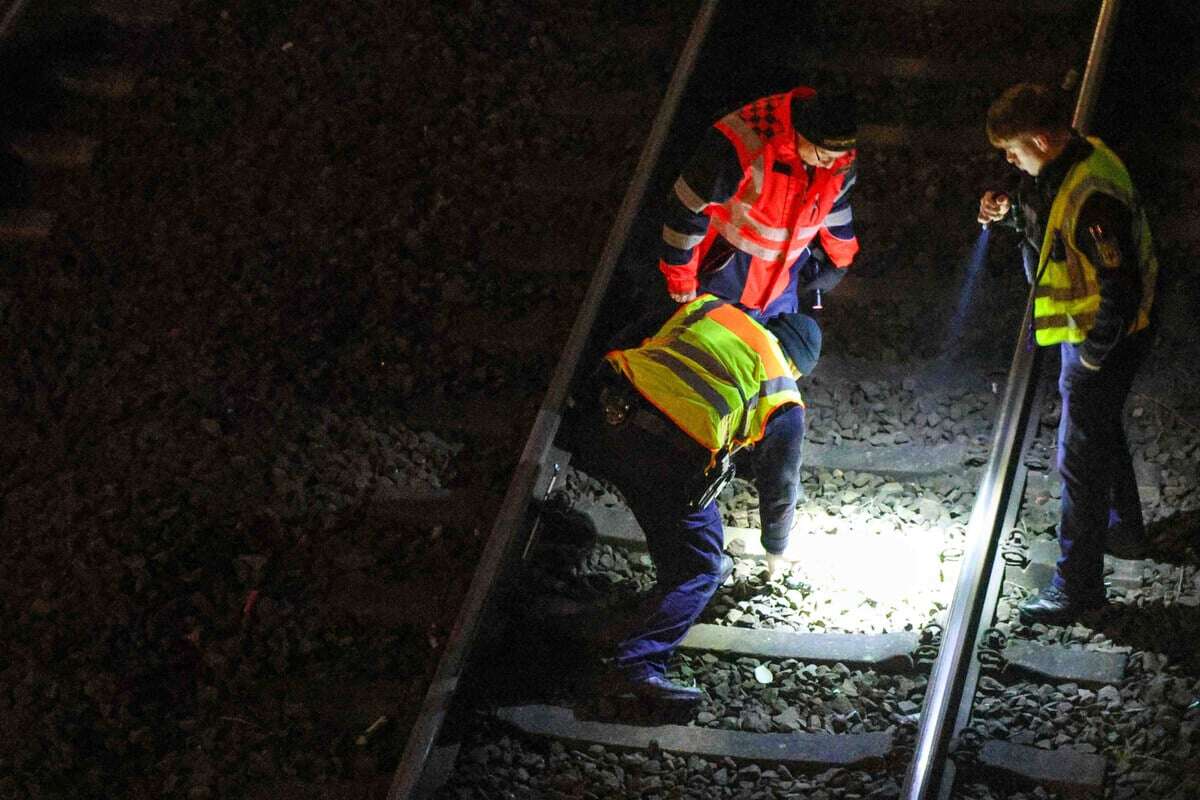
(897, 575)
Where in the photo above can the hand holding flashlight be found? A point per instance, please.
(993, 206)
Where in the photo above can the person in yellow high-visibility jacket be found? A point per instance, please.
(671, 412)
(1094, 274)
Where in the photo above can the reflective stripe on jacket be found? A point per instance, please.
(1067, 296)
(713, 371)
(777, 209)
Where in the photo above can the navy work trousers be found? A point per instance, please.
(686, 549)
(1099, 488)
(655, 470)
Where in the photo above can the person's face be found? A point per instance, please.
(1027, 153)
(817, 156)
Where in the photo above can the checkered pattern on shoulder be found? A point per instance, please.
(762, 117)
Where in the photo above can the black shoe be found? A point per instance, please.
(1121, 543)
(726, 569)
(654, 688)
(658, 689)
(1053, 606)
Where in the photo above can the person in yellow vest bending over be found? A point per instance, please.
(1094, 273)
(671, 414)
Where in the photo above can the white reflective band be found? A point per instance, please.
(841, 217)
(739, 214)
(743, 131)
(681, 241)
(688, 197)
(756, 174)
(735, 238)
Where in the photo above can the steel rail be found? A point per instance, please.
(995, 580)
(514, 508)
(950, 670)
(8, 21)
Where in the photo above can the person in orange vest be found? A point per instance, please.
(671, 414)
(1089, 254)
(761, 214)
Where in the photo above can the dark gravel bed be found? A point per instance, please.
(772, 696)
(1147, 727)
(947, 32)
(221, 580)
(882, 413)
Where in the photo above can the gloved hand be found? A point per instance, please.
(819, 274)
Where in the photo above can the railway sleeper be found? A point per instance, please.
(106, 82)
(58, 150)
(138, 14)
(883, 652)
(1072, 774)
(807, 751)
(1058, 664)
(1120, 573)
(26, 224)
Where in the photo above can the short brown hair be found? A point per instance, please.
(1026, 109)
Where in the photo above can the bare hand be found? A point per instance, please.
(993, 206)
(779, 565)
(683, 297)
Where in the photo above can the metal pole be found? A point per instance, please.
(515, 505)
(1089, 89)
(985, 526)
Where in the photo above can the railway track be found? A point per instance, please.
(810, 686)
(821, 685)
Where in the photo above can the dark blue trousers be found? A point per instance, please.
(686, 549)
(1099, 488)
(652, 470)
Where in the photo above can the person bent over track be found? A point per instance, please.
(670, 415)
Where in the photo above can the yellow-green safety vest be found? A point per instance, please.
(1067, 296)
(714, 371)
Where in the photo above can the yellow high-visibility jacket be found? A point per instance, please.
(714, 371)
(1067, 296)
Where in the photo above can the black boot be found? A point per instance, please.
(1053, 606)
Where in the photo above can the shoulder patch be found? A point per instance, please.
(1107, 250)
(764, 117)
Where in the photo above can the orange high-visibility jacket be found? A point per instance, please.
(776, 210)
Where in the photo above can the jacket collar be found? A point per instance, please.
(1052, 175)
